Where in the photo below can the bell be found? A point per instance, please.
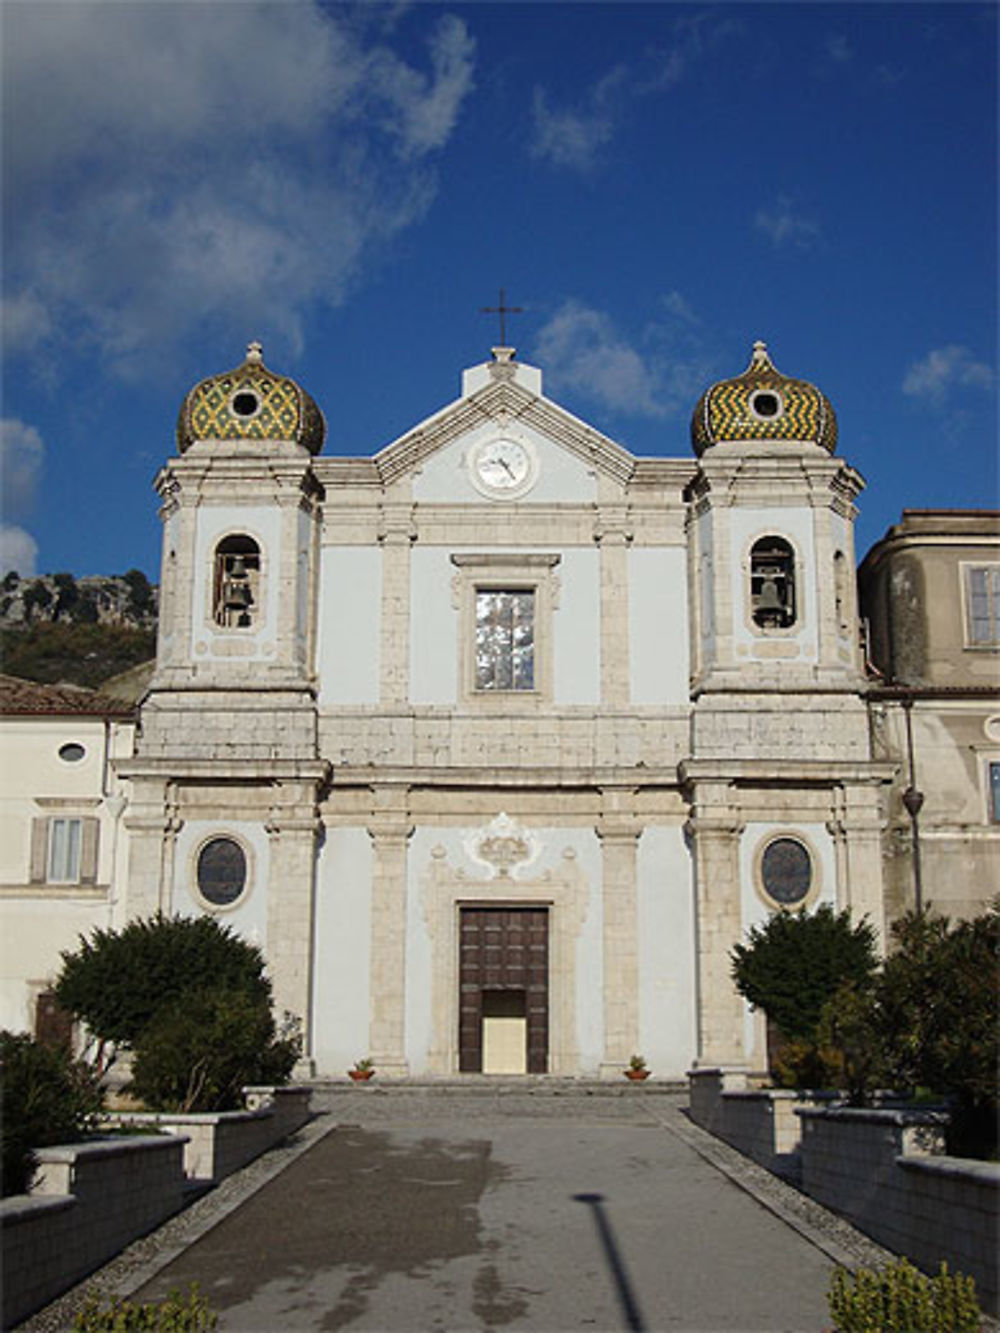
(239, 569)
(769, 599)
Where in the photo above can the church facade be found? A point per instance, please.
(497, 741)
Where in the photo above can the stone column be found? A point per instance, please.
(715, 828)
(862, 888)
(152, 825)
(292, 828)
(613, 538)
(619, 830)
(390, 828)
(396, 536)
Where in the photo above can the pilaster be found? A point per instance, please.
(152, 823)
(613, 536)
(292, 827)
(715, 830)
(396, 536)
(618, 829)
(390, 827)
(857, 832)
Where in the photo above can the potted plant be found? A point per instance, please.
(636, 1070)
(362, 1071)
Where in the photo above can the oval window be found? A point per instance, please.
(222, 871)
(786, 871)
(72, 752)
(245, 403)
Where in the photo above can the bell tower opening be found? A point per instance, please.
(236, 582)
(772, 583)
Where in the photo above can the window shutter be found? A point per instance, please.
(88, 851)
(39, 850)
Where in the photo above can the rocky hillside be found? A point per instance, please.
(59, 629)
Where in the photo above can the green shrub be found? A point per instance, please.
(202, 1049)
(899, 1299)
(117, 982)
(790, 967)
(174, 1315)
(46, 1098)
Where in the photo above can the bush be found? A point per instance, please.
(47, 1098)
(790, 968)
(200, 1051)
(117, 982)
(934, 1009)
(899, 1299)
(174, 1315)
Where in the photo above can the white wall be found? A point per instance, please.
(576, 620)
(350, 602)
(342, 950)
(434, 627)
(795, 524)
(443, 478)
(659, 654)
(667, 1020)
(248, 916)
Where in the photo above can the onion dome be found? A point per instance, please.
(763, 404)
(250, 403)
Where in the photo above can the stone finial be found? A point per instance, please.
(503, 354)
(760, 356)
(255, 353)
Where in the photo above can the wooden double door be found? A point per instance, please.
(504, 990)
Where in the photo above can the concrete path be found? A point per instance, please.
(459, 1212)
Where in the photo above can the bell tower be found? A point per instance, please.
(784, 799)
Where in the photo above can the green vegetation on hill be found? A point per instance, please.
(87, 654)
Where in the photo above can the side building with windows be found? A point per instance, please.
(498, 740)
(930, 596)
(62, 858)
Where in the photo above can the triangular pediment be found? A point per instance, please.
(505, 403)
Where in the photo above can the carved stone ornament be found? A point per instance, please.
(502, 846)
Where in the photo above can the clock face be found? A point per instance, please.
(503, 467)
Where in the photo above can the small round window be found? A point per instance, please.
(786, 871)
(766, 404)
(245, 403)
(72, 752)
(222, 872)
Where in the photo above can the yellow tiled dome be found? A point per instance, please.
(763, 404)
(250, 403)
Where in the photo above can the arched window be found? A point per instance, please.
(772, 583)
(236, 586)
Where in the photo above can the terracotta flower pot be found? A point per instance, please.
(636, 1075)
(360, 1075)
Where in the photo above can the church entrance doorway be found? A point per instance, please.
(504, 990)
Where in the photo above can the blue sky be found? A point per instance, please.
(656, 184)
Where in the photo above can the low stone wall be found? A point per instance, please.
(92, 1199)
(220, 1142)
(885, 1172)
(89, 1201)
(758, 1122)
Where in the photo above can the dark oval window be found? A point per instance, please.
(786, 871)
(222, 871)
(72, 752)
(245, 404)
(766, 404)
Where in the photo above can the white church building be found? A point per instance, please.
(497, 741)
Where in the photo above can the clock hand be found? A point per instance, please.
(504, 464)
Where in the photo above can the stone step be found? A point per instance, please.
(501, 1085)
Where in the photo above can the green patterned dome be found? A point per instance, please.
(763, 404)
(250, 403)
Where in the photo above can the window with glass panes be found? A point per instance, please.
(993, 795)
(983, 604)
(65, 837)
(505, 639)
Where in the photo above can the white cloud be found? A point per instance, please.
(574, 138)
(18, 551)
(582, 351)
(946, 368)
(22, 454)
(783, 225)
(183, 167)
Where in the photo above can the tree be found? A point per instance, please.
(193, 1003)
(935, 1008)
(792, 966)
(47, 1098)
(117, 982)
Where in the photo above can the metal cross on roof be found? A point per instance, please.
(503, 310)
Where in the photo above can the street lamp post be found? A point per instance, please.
(913, 800)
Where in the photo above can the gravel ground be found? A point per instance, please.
(141, 1261)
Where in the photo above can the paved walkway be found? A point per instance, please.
(462, 1211)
